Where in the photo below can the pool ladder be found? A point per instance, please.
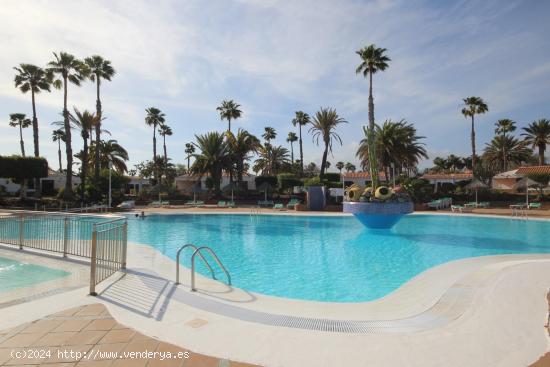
(254, 211)
(197, 252)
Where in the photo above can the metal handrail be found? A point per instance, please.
(178, 261)
(198, 251)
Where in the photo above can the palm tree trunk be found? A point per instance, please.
(68, 194)
(542, 149)
(370, 139)
(188, 163)
(301, 149)
(21, 139)
(473, 136)
(292, 152)
(59, 155)
(155, 151)
(35, 140)
(323, 163)
(229, 124)
(97, 131)
(164, 145)
(84, 169)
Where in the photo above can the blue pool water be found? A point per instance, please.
(14, 274)
(336, 259)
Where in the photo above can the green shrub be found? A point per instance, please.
(20, 168)
(288, 180)
(312, 181)
(271, 180)
(334, 177)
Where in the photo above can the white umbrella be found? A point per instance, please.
(525, 183)
(230, 186)
(264, 187)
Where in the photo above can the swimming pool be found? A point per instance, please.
(335, 258)
(15, 274)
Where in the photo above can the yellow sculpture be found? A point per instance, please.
(383, 193)
(353, 192)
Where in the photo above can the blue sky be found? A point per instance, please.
(275, 57)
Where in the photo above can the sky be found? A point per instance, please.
(275, 57)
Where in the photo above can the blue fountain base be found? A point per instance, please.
(378, 215)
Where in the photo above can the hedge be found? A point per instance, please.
(331, 176)
(288, 181)
(271, 180)
(20, 168)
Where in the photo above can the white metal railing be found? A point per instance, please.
(101, 238)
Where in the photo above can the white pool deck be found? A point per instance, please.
(485, 311)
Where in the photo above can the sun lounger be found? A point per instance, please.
(230, 204)
(534, 206)
(155, 204)
(129, 204)
(266, 203)
(222, 204)
(461, 208)
(483, 204)
(194, 203)
(278, 206)
(292, 203)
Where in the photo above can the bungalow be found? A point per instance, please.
(454, 177)
(185, 183)
(360, 178)
(50, 185)
(137, 184)
(506, 181)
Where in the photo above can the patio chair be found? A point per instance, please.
(199, 203)
(278, 206)
(483, 204)
(292, 203)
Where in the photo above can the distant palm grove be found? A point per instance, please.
(392, 147)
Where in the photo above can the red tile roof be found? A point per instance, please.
(534, 170)
(467, 175)
(365, 175)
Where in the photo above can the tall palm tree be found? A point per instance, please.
(189, 150)
(271, 159)
(373, 59)
(474, 106)
(59, 136)
(291, 138)
(516, 151)
(111, 151)
(213, 158)
(68, 69)
(323, 127)
(537, 134)
(165, 130)
(339, 166)
(503, 127)
(21, 121)
(269, 134)
(240, 146)
(349, 167)
(301, 119)
(85, 122)
(154, 118)
(34, 79)
(229, 110)
(99, 69)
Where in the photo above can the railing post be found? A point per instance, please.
(124, 243)
(93, 261)
(21, 230)
(65, 236)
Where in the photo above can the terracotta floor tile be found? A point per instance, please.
(101, 324)
(95, 309)
(25, 359)
(130, 362)
(118, 336)
(5, 355)
(66, 313)
(42, 326)
(150, 345)
(103, 363)
(109, 348)
(72, 325)
(54, 339)
(21, 340)
(71, 354)
(199, 360)
(86, 337)
(139, 336)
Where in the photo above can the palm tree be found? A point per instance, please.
(349, 167)
(214, 157)
(69, 70)
(21, 121)
(503, 127)
(59, 136)
(34, 79)
(537, 134)
(373, 59)
(189, 150)
(322, 127)
(516, 151)
(454, 162)
(271, 159)
(154, 118)
(269, 134)
(396, 143)
(111, 151)
(229, 110)
(339, 166)
(163, 131)
(99, 69)
(291, 138)
(241, 145)
(474, 106)
(301, 119)
(85, 122)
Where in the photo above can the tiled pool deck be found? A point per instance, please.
(97, 338)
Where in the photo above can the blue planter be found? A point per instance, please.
(378, 215)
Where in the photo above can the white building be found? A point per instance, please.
(137, 184)
(360, 178)
(185, 183)
(50, 185)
